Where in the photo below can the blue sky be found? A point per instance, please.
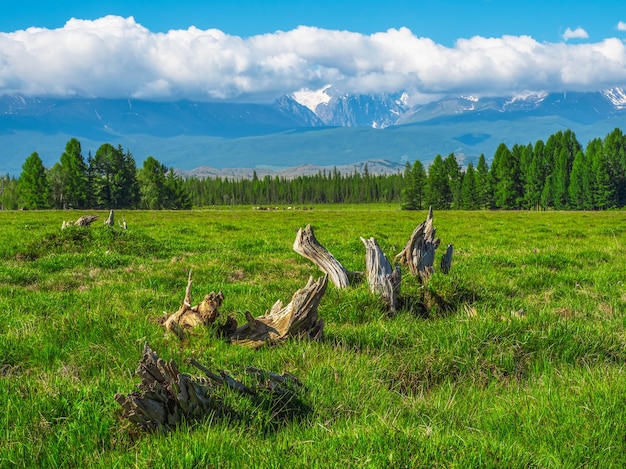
(444, 21)
(234, 50)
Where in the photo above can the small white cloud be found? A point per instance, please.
(578, 33)
(621, 26)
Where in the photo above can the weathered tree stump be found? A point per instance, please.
(109, 221)
(381, 277)
(189, 316)
(419, 253)
(298, 318)
(308, 246)
(165, 397)
(85, 220)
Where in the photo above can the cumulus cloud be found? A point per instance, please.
(621, 26)
(578, 33)
(117, 57)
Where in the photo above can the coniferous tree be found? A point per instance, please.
(34, 189)
(505, 175)
(483, 183)
(579, 184)
(73, 176)
(453, 174)
(438, 187)
(469, 193)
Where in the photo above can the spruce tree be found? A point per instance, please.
(34, 189)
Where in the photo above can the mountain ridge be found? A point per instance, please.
(345, 129)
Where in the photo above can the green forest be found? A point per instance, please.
(557, 174)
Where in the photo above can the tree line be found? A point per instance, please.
(558, 174)
(109, 179)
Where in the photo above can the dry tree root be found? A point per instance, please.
(381, 277)
(166, 397)
(85, 220)
(308, 246)
(298, 318)
(419, 252)
(189, 316)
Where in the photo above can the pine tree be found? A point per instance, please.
(505, 174)
(34, 189)
(469, 194)
(73, 176)
(483, 183)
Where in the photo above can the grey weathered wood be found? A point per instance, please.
(85, 220)
(308, 246)
(383, 280)
(446, 259)
(419, 252)
(165, 397)
(109, 221)
(188, 316)
(298, 318)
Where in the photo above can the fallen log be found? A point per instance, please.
(189, 316)
(298, 318)
(419, 252)
(166, 397)
(381, 277)
(308, 246)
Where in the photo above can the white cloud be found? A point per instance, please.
(621, 26)
(578, 33)
(116, 57)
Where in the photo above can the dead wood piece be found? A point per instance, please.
(165, 397)
(85, 220)
(189, 316)
(382, 278)
(308, 246)
(446, 259)
(109, 221)
(419, 252)
(298, 318)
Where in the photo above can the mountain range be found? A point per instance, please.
(301, 133)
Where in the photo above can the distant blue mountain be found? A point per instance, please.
(329, 128)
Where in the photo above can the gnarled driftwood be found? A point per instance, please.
(308, 246)
(165, 396)
(298, 318)
(85, 220)
(381, 277)
(189, 316)
(419, 252)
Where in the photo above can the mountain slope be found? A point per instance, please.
(287, 133)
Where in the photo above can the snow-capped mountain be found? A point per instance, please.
(335, 108)
(326, 127)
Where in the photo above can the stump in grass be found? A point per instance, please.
(419, 252)
(308, 246)
(189, 316)
(166, 397)
(298, 318)
(85, 220)
(109, 221)
(381, 277)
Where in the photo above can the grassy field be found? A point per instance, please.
(521, 363)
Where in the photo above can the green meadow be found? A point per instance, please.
(520, 362)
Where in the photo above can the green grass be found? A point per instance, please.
(519, 363)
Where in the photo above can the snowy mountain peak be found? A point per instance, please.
(617, 96)
(312, 98)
